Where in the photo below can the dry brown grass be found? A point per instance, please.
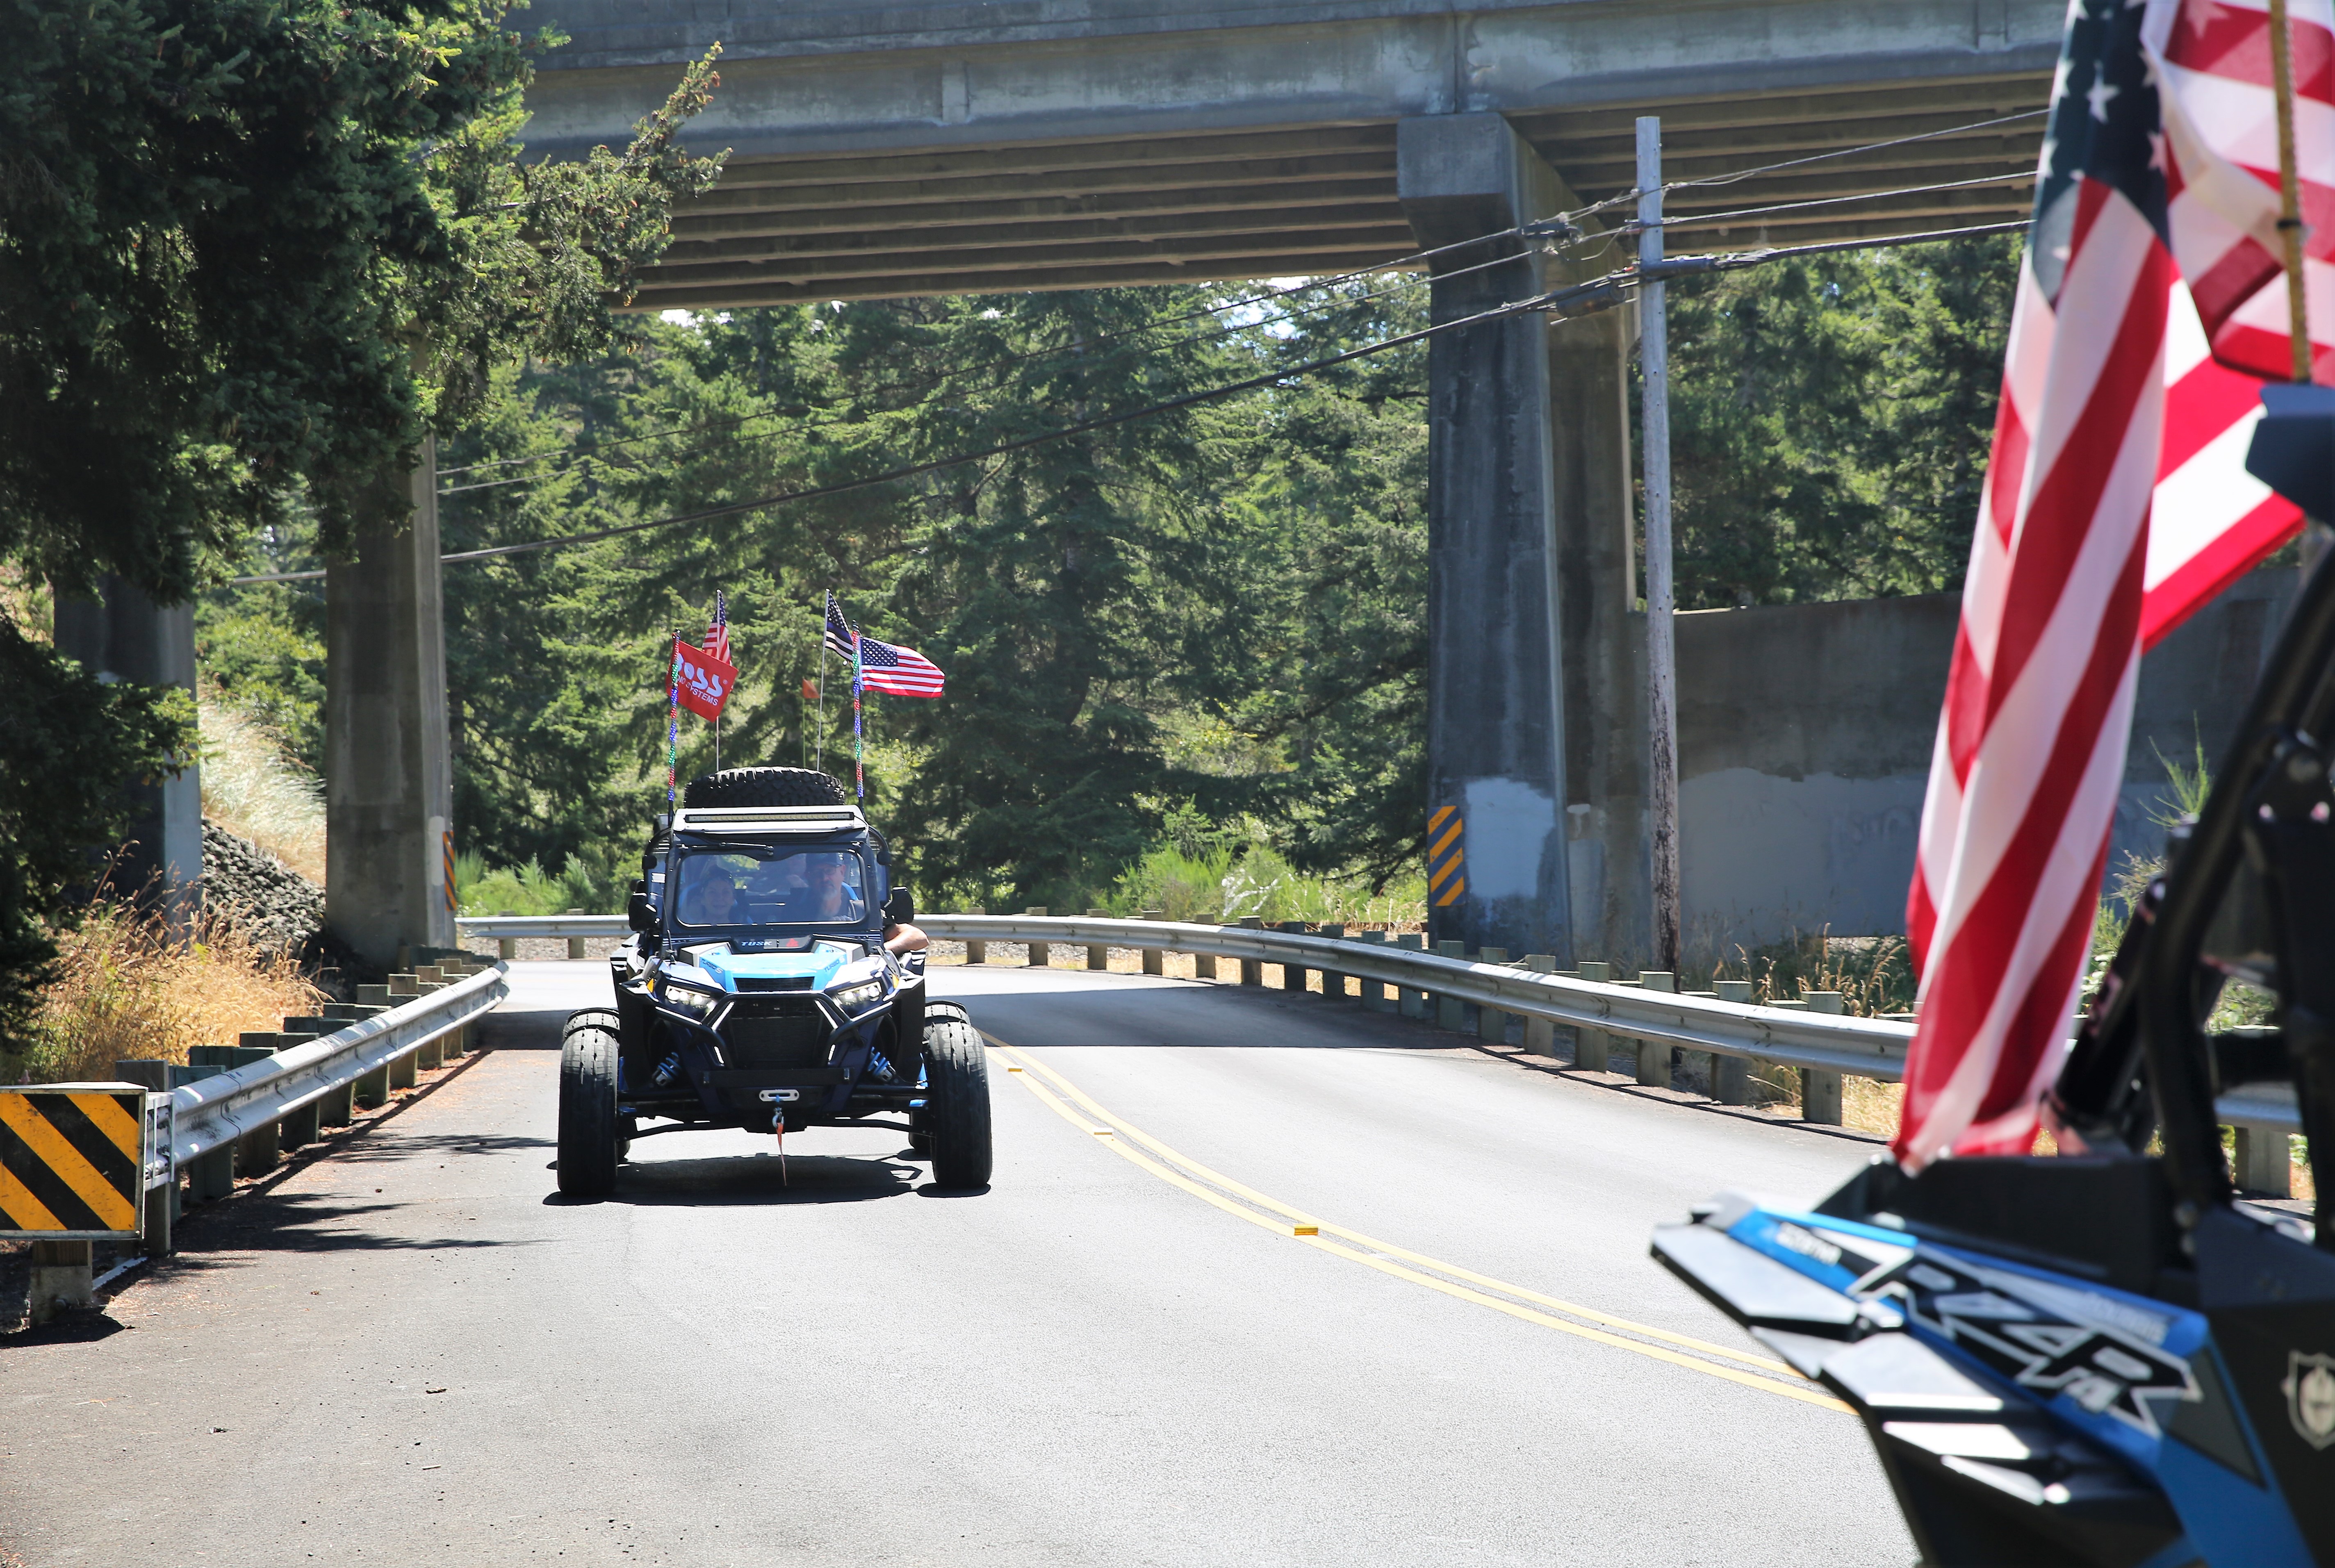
(129, 991)
(254, 789)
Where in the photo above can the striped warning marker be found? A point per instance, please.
(71, 1159)
(1447, 856)
(446, 846)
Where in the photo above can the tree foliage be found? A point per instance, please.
(252, 252)
(253, 247)
(1212, 618)
(1831, 419)
(67, 743)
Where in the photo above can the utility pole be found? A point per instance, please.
(1661, 652)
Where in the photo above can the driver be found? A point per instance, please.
(829, 897)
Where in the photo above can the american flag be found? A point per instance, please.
(717, 636)
(2030, 748)
(883, 666)
(2214, 520)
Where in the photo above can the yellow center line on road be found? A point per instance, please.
(1067, 1100)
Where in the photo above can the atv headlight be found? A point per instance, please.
(688, 1000)
(859, 998)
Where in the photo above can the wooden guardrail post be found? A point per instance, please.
(1491, 1023)
(1374, 992)
(1041, 953)
(1654, 1059)
(1819, 1089)
(1594, 1048)
(1408, 1002)
(576, 944)
(1155, 959)
(1730, 1076)
(1540, 1033)
(1292, 976)
(1451, 1012)
(2262, 1161)
(506, 947)
(1333, 982)
(1252, 970)
(1098, 953)
(976, 951)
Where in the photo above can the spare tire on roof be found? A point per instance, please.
(765, 787)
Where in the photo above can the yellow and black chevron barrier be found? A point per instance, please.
(72, 1160)
(1447, 856)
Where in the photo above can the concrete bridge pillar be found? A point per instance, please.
(1532, 699)
(389, 783)
(123, 636)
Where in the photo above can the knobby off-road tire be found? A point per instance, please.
(588, 1133)
(956, 1109)
(765, 787)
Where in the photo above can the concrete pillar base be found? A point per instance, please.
(61, 1280)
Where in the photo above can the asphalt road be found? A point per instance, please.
(1119, 1354)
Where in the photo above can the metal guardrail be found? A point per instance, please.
(1867, 1047)
(210, 1114)
(505, 925)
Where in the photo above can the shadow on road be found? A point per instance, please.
(741, 1180)
(305, 1223)
(535, 1029)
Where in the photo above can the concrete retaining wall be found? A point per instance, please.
(1804, 742)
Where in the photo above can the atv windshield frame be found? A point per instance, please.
(773, 887)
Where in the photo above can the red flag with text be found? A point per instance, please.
(701, 682)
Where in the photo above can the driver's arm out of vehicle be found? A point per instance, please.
(904, 939)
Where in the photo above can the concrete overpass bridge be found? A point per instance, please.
(883, 151)
(890, 150)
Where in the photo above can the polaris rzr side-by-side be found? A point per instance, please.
(2104, 1359)
(757, 992)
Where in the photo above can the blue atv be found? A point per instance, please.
(758, 992)
(2104, 1359)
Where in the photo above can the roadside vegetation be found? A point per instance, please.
(1180, 651)
(128, 987)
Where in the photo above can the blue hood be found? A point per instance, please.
(727, 967)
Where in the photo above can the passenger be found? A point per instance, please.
(710, 902)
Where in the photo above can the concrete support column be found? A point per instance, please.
(1602, 634)
(123, 636)
(389, 783)
(1495, 704)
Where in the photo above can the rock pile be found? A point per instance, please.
(280, 910)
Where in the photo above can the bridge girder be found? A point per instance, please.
(891, 151)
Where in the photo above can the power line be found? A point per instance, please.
(1742, 174)
(822, 416)
(1705, 219)
(1157, 325)
(1599, 293)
